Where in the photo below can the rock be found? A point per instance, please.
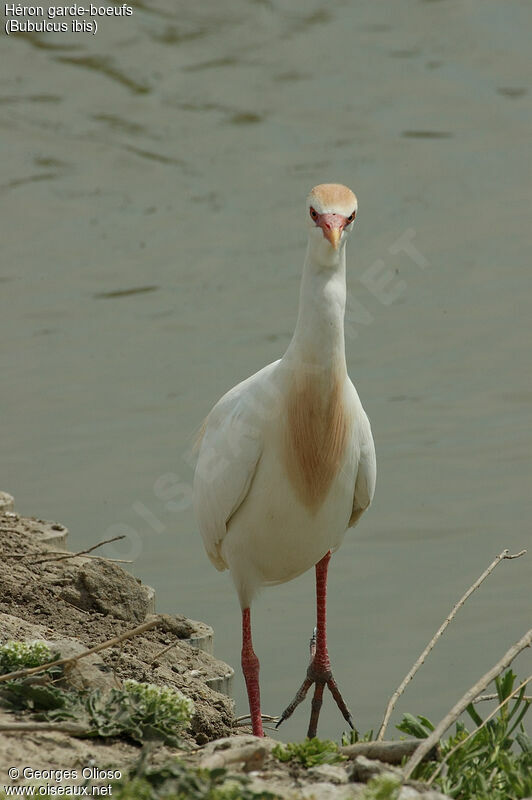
(283, 791)
(222, 683)
(194, 665)
(329, 772)
(50, 533)
(87, 673)
(363, 769)
(328, 791)
(208, 724)
(7, 502)
(40, 532)
(150, 591)
(201, 636)
(180, 626)
(14, 628)
(408, 793)
(240, 740)
(105, 587)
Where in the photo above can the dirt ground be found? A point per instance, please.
(77, 602)
(81, 602)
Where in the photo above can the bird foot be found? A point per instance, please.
(319, 673)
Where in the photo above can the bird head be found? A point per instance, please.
(332, 209)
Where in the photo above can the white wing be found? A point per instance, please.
(230, 451)
(367, 471)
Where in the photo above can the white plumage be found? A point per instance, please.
(287, 462)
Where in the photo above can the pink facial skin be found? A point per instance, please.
(332, 225)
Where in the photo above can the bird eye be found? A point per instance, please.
(351, 217)
(313, 213)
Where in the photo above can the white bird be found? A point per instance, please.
(286, 459)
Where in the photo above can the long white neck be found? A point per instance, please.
(318, 340)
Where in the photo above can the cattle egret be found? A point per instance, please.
(286, 459)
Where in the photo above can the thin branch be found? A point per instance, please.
(83, 610)
(151, 623)
(474, 733)
(252, 755)
(482, 698)
(62, 555)
(70, 728)
(70, 555)
(105, 558)
(408, 677)
(464, 701)
(388, 752)
(34, 553)
(81, 552)
(27, 555)
(164, 650)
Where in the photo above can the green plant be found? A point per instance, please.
(177, 781)
(309, 753)
(495, 763)
(28, 695)
(20, 655)
(139, 711)
(382, 787)
(164, 705)
(354, 736)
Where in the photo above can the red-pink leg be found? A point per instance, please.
(250, 668)
(319, 671)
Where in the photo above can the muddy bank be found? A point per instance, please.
(76, 602)
(79, 602)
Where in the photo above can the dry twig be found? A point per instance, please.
(408, 677)
(474, 733)
(81, 552)
(464, 701)
(482, 698)
(21, 673)
(62, 552)
(30, 727)
(61, 555)
(388, 752)
(252, 755)
(164, 650)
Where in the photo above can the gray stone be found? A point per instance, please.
(41, 532)
(327, 791)
(363, 769)
(51, 534)
(329, 772)
(87, 673)
(14, 628)
(281, 790)
(201, 637)
(7, 502)
(408, 793)
(105, 587)
(241, 740)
